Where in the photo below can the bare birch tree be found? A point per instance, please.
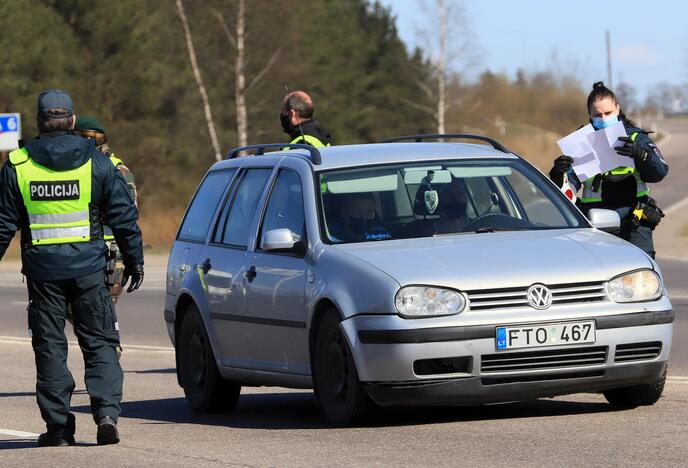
(199, 81)
(238, 39)
(449, 41)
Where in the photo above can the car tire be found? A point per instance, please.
(338, 390)
(637, 395)
(205, 389)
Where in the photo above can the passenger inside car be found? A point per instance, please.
(358, 220)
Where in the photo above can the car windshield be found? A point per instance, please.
(442, 198)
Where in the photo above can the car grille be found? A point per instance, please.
(538, 360)
(637, 351)
(518, 297)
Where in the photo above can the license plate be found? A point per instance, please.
(545, 334)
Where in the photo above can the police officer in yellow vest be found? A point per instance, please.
(296, 117)
(90, 127)
(624, 188)
(56, 189)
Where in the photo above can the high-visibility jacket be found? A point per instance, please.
(115, 160)
(57, 202)
(592, 192)
(308, 140)
(107, 232)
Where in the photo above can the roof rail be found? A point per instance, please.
(495, 144)
(260, 150)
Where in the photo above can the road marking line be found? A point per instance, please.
(676, 206)
(20, 434)
(27, 341)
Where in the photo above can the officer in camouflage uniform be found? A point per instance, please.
(91, 128)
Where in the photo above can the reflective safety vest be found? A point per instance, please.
(57, 202)
(115, 160)
(309, 140)
(592, 194)
(107, 232)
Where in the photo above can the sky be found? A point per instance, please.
(649, 39)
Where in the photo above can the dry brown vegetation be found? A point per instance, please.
(159, 225)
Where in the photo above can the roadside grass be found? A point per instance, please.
(536, 145)
(159, 226)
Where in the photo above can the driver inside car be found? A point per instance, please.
(453, 198)
(358, 220)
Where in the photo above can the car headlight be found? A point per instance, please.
(420, 301)
(639, 286)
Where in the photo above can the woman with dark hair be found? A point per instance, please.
(624, 188)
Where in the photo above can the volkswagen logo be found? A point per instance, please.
(539, 297)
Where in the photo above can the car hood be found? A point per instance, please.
(503, 259)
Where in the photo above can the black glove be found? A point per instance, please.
(136, 275)
(563, 163)
(561, 166)
(632, 149)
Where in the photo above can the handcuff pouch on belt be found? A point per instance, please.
(645, 213)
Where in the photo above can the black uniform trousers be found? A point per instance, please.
(95, 325)
(641, 238)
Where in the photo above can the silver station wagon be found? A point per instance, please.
(409, 272)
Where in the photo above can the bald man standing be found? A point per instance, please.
(296, 117)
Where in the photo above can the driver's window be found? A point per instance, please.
(285, 207)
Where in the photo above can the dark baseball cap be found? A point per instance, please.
(54, 99)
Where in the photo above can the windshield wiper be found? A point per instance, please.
(483, 230)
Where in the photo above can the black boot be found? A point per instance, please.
(60, 437)
(107, 431)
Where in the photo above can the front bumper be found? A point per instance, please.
(477, 390)
(385, 349)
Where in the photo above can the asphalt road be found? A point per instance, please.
(275, 426)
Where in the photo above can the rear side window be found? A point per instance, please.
(200, 213)
(236, 229)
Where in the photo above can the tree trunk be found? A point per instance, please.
(240, 75)
(441, 66)
(199, 81)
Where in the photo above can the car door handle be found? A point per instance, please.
(251, 273)
(206, 266)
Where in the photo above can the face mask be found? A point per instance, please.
(285, 121)
(599, 123)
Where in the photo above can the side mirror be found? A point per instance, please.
(279, 239)
(605, 220)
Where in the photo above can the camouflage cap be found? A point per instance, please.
(86, 122)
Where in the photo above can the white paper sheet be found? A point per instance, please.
(593, 151)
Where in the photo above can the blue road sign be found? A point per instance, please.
(10, 131)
